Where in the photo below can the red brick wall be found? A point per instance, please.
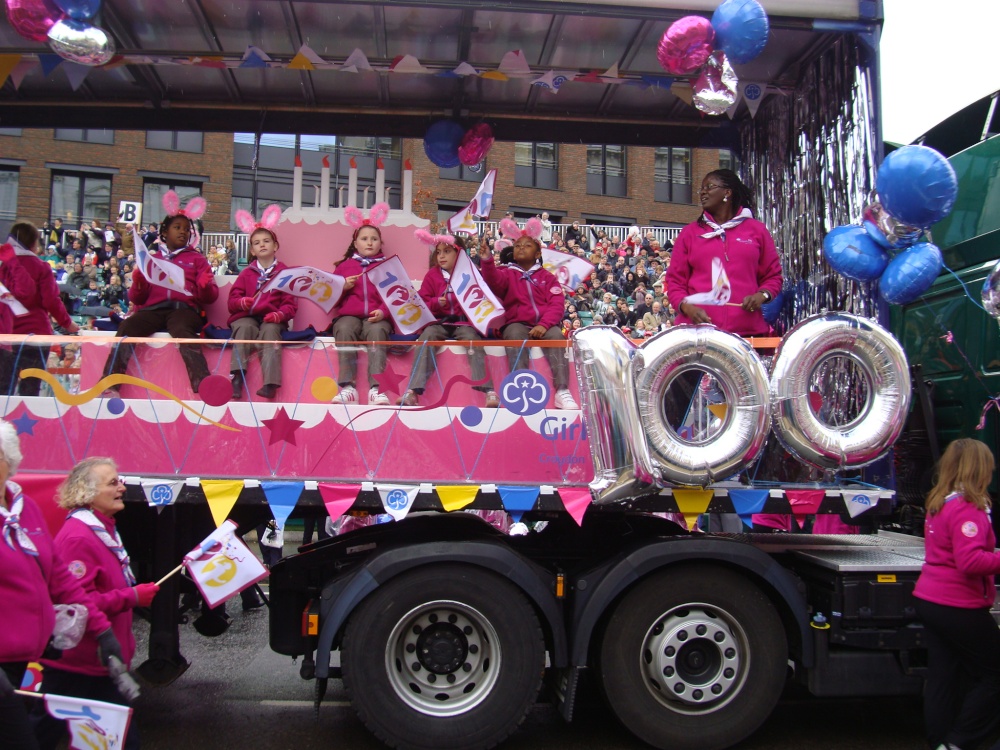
(571, 199)
(129, 155)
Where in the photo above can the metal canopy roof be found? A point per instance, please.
(162, 84)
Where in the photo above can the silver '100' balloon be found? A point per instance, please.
(80, 42)
(991, 292)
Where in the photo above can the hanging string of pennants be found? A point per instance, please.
(513, 66)
(399, 499)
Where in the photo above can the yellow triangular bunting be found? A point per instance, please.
(456, 497)
(222, 495)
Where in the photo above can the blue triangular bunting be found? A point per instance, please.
(518, 498)
(282, 497)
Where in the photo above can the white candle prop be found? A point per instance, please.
(324, 184)
(379, 182)
(352, 184)
(364, 201)
(297, 183)
(407, 187)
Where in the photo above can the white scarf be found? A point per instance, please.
(113, 543)
(720, 231)
(12, 523)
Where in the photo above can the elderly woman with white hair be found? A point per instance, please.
(92, 551)
(33, 579)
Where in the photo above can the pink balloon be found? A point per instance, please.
(686, 45)
(475, 144)
(32, 19)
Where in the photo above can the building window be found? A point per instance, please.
(446, 210)
(86, 135)
(154, 190)
(672, 175)
(8, 198)
(80, 198)
(606, 171)
(536, 165)
(461, 172)
(729, 160)
(10, 131)
(175, 140)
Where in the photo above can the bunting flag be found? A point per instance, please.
(356, 61)
(222, 565)
(7, 65)
(456, 497)
(322, 288)
(859, 502)
(571, 270)
(92, 724)
(407, 309)
(21, 70)
(305, 59)
(576, 500)
(282, 497)
(692, 503)
(338, 498)
(684, 92)
(162, 492)
(407, 64)
(804, 502)
(748, 502)
(222, 495)
(517, 500)
(397, 499)
(76, 73)
(464, 69)
(514, 65)
(49, 63)
(753, 93)
(480, 305)
(158, 271)
(480, 205)
(254, 57)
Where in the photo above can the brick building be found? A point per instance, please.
(84, 174)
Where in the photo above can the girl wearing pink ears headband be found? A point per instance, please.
(256, 314)
(534, 301)
(363, 315)
(452, 322)
(161, 307)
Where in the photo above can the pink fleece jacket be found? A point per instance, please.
(198, 280)
(42, 299)
(750, 261)
(30, 586)
(535, 298)
(268, 302)
(363, 298)
(960, 558)
(18, 282)
(432, 288)
(97, 569)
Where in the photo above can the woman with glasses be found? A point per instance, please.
(724, 266)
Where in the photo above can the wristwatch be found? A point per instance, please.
(767, 295)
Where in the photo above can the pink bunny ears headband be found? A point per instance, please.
(376, 217)
(512, 232)
(435, 239)
(193, 211)
(268, 220)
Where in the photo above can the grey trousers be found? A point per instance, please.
(518, 358)
(348, 328)
(270, 356)
(426, 355)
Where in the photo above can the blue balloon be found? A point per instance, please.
(911, 273)
(741, 29)
(79, 10)
(851, 252)
(441, 143)
(917, 186)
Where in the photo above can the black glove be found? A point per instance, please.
(6, 689)
(108, 646)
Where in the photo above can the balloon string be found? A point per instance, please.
(993, 402)
(967, 292)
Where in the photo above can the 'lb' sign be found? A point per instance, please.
(130, 212)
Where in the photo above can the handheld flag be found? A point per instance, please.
(480, 305)
(571, 270)
(722, 290)
(325, 289)
(157, 270)
(91, 723)
(408, 311)
(480, 205)
(222, 566)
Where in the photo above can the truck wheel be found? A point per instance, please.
(443, 658)
(694, 657)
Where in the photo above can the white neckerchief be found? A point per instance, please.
(264, 273)
(721, 230)
(365, 262)
(113, 543)
(171, 254)
(12, 523)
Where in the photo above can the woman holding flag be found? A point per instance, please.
(725, 254)
(258, 314)
(453, 321)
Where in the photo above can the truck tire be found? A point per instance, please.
(693, 658)
(445, 657)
